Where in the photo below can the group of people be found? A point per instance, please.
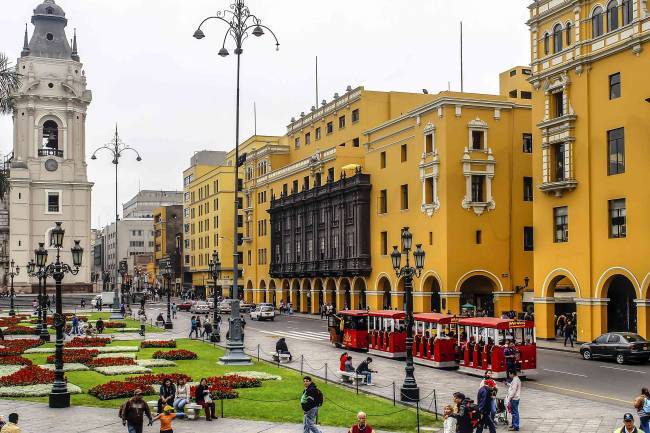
(363, 369)
(285, 308)
(206, 327)
(82, 327)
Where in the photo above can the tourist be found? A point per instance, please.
(512, 399)
(484, 401)
(204, 399)
(342, 359)
(174, 310)
(166, 418)
(628, 425)
(282, 348)
(569, 329)
(166, 395)
(99, 324)
(143, 321)
(207, 327)
(462, 413)
(449, 425)
(133, 412)
(193, 327)
(310, 400)
(75, 325)
(510, 354)
(362, 425)
(12, 424)
(642, 405)
(82, 304)
(348, 365)
(364, 369)
(182, 395)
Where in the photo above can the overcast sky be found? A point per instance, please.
(172, 95)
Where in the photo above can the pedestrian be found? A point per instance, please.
(193, 327)
(143, 321)
(99, 324)
(488, 376)
(82, 304)
(203, 398)
(34, 305)
(484, 401)
(449, 425)
(462, 414)
(142, 303)
(207, 328)
(122, 309)
(510, 355)
(365, 370)
(133, 412)
(199, 326)
(628, 425)
(310, 400)
(342, 359)
(182, 395)
(174, 310)
(362, 425)
(99, 304)
(12, 424)
(559, 324)
(282, 348)
(166, 395)
(642, 406)
(568, 332)
(166, 418)
(75, 325)
(512, 399)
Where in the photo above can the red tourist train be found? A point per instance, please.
(387, 333)
(349, 329)
(483, 345)
(435, 340)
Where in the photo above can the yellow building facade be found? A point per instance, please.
(590, 64)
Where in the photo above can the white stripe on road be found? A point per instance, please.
(295, 336)
(322, 334)
(564, 372)
(622, 369)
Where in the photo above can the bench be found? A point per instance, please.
(353, 378)
(282, 358)
(193, 411)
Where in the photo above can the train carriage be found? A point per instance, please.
(349, 329)
(387, 333)
(435, 340)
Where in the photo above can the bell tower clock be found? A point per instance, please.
(48, 169)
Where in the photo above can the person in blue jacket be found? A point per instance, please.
(484, 401)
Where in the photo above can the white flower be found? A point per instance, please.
(6, 370)
(116, 349)
(68, 366)
(40, 350)
(33, 390)
(131, 355)
(122, 369)
(260, 375)
(156, 363)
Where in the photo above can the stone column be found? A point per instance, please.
(643, 317)
(502, 302)
(422, 302)
(592, 317)
(397, 300)
(545, 317)
(315, 306)
(450, 301)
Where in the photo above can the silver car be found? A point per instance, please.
(263, 312)
(199, 307)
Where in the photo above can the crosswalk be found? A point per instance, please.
(298, 335)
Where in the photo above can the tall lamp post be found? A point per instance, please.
(123, 270)
(12, 270)
(116, 148)
(409, 392)
(59, 396)
(42, 282)
(31, 272)
(169, 270)
(215, 269)
(239, 22)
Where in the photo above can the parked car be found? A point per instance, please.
(263, 312)
(199, 307)
(621, 346)
(184, 306)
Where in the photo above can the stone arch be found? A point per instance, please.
(604, 280)
(477, 289)
(317, 286)
(553, 276)
(478, 272)
(305, 295)
(345, 289)
(621, 293)
(645, 286)
(271, 291)
(262, 291)
(248, 293)
(385, 288)
(359, 288)
(285, 287)
(430, 283)
(294, 294)
(330, 291)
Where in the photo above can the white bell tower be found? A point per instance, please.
(48, 170)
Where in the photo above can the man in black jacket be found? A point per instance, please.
(134, 411)
(364, 368)
(282, 348)
(484, 401)
(463, 419)
(310, 400)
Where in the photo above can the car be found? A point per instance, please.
(620, 346)
(184, 306)
(263, 312)
(199, 307)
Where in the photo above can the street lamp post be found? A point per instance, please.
(12, 270)
(115, 148)
(239, 23)
(59, 396)
(409, 392)
(31, 272)
(215, 269)
(170, 275)
(123, 270)
(42, 282)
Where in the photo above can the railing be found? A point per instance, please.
(47, 151)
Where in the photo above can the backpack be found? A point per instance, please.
(319, 397)
(472, 410)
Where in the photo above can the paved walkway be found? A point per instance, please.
(39, 418)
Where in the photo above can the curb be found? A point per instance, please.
(558, 349)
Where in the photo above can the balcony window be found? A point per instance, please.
(559, 157)
(627, 12)
(561, 224)
(428, 143)
(617, 218)
(597, 22)
(616, 151)
(383, 201)
(478, 190)
(569, 29)
(557, 38)
(297, 142)
(428, 190)
(547, 44)
(355, 142)
(612, 16)
(404, 195)
(558, 104)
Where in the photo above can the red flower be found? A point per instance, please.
(88, 342)
(234, 381)
(218, 392)
(151, 379)
(118, 389)
(114, 324)
(81, 356)
(19, 330)
(109, 362)
(18, 346)
(175, 354)
(8, 321)
(30, 375)
(159, 343)
(15, 360)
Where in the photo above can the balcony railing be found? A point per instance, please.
(47, 151)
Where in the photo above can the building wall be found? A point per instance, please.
(135, 236)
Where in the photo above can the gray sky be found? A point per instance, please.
(172, 95)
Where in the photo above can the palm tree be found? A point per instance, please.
(9, 82)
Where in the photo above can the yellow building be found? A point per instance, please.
(168, 241)
(590, 64)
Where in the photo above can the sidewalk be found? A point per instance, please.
(39, 418)
(558, 345)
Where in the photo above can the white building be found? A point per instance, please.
(48, 170)
(146, 201)
(135, 237)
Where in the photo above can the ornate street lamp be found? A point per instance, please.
(239, 22)
(215, 269)
(12, 270)
(31, 272)
(115, 148)
(123, 270)
(40, 254)
(169, 271)
(409, 392)
(59, 396)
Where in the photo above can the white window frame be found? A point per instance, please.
(429, 169)
(478, 125)
(47, 200)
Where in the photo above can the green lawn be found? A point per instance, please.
(339, 408)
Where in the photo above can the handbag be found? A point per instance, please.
(207, 398)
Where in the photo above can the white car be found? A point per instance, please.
(263, 312)
(199, 307)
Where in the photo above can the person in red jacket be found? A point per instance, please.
(344, 357)
(362, 425)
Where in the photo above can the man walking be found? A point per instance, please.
(75, 325)
(568, 332)
(143, 320)
(310, 400)
(484, 400)
(133, 413)
(628, 425)
(194, 329)
(514, 392)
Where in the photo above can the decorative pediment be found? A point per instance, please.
(477, 124)
(429, 127)
(559, 82)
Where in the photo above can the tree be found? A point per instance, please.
(9, 82)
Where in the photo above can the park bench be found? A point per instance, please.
(192, 410)
(282, 358)
(353, 378)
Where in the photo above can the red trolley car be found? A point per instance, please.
(434, 342)
(349, 329)
(483, 345)
(386, 333)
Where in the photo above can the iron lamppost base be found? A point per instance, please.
(235, 354)
(59, 400)
(169, 325)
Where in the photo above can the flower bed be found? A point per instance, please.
(235, 381)
(15, 360)
(255, 375)
(30, 375)
(33, 390)
(18, 346)
(131, 355)
(174, 355)
(81, 356)
(114, 324)
(9, 321)
(107, 349)
(110, 362)
(152, 379)
(19, 330)
(68, 366)
(6, 370)
(88, 342)
(158, 344)
(218, 392)
(122, 369)
(152, 363)
(118, 389)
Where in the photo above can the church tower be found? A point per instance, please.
(48, 170)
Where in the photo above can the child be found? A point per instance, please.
(166, 419)
(450, 422)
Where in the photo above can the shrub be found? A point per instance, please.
(157, 379)
(114, 324)
(158, 344)
(119, 389)
(235, 381)
(110, 362)
(88, 342)
(30, 375)
(19, 330)
(80, 356)
(15, 360)
(175, 355)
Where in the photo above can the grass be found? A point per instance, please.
(339, 409)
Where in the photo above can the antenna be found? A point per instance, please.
(316, 82)
(462, 88)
